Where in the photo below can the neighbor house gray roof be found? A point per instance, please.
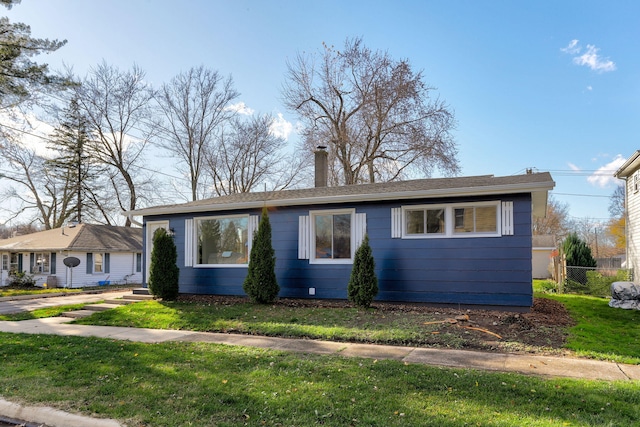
(79, 238)
(537, 184)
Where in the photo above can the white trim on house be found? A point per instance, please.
(250, 230)
(399, 221)
(306, 235)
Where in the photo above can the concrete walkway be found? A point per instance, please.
(548, 366)
(21, 303)
(545, 366)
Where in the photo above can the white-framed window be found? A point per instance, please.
(41, 263)
(222, 241)
(138, 262)
(481, 219)
(332, 237)
(14, 263)
(5, 262)
(636, 182)
(98, 263)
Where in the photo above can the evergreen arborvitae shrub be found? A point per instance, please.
(578, 254)
(363, 284)
(261, 284)
(164, 271)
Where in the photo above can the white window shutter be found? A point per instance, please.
(359, 228)
(188, 242)
(252, 228)
(396, 223)
(304, 237)
(507, 218)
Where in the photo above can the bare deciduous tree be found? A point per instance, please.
(375, 113)
(46, 197)
(117, 105)
(556, 221)
(195, 104)
(247, 155)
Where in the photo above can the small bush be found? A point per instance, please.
(164, 272)
(545, 286)
(363, 284)
(261, 284)
(21, 280)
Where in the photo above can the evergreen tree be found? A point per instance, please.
(73, 164)
(164, 271)
(578, 254)
(261, 284)
(363, 284)
(20, 77)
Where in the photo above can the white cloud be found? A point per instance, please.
(592, 60)
(589, 88)
(603, 176)
(573, 167)
(572, 48)
(281, 127)
(240, 108)
(589, 58)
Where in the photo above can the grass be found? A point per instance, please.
(12, 292)
(187, 384)
(42, 312)
(338, 324)
(601, 332)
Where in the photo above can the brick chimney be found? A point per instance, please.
(322, 169)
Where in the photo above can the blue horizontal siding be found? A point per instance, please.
(484, 271)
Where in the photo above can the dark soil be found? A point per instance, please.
(542, 330)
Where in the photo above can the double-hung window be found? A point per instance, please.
(98, 264)
(42, 263)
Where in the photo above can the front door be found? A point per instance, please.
(152, 226)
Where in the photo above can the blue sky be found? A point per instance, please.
(550, 85)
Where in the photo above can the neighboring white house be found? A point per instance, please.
(543, 246)
(106, 254)
(630, 173)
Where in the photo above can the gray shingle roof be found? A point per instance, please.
(399, 190)
(83, 237)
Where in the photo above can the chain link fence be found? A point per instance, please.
(592, 280)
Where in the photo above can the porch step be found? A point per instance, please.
(120, 301)
(100, 307)
(137, 297)
(141, 291)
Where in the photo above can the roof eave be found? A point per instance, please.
(542, 187)
(632, 164)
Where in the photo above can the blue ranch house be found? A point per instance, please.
(464, 241)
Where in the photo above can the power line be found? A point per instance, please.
(579, 195)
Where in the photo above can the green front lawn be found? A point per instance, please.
(327, 323)
(196, 384)
(12, 292)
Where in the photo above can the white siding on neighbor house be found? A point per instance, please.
(122, 269)
(633, 226)
(541, 263)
